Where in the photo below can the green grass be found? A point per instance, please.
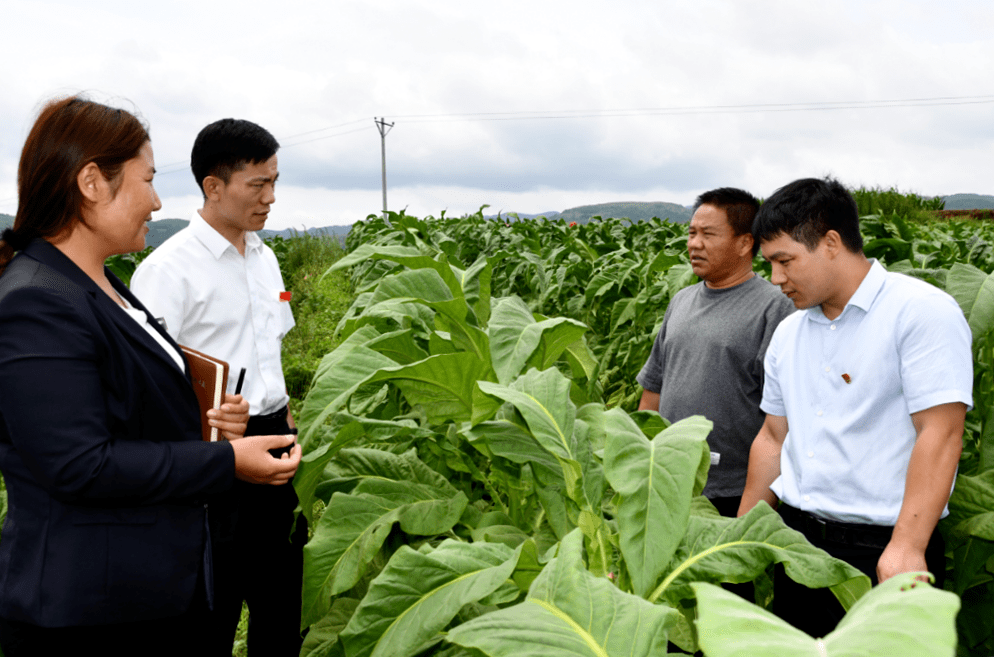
(317, 304)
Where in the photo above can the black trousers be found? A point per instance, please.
(162, 637)
(259, 560)
(817, 611)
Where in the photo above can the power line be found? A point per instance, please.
(175, 167)
(698, 109)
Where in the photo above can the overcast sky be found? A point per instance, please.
(526, 106)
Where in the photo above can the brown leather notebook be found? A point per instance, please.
(210, 379)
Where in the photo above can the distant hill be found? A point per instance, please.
(162, 229)
(159, 230)
(969, 202)
(635, 211)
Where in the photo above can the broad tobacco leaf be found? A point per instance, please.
(338, 376)
(354, 526)
(973, 290)
(654, 480)
(970, 528)
(517, 340)
(901, 616)
(375, 252)
(417, 594)
(322, 638)
(570, 613)
(442, 385)
(718, 549)
(542, 398)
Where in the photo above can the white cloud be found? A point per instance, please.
(297, 67)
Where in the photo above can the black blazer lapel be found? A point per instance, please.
(45, 253)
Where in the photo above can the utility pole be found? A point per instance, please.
(384, 128)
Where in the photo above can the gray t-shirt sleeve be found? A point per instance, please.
(651, 375)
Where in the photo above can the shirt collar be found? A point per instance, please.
(214, 241)
(868, 289)
(862, 298)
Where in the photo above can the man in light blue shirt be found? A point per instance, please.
(866, 392)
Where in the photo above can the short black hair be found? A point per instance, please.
(806, 210)
(226, 146)
(738, 205)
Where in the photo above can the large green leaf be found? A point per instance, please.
(900, 617)
(338, 376)
(542, 399)
(376, 252)
(654, 480)
(510, 441)
(442, 385)
(398, 346)
(971, 506)
(353, 527)
(517, 340)
(570, 613)
(422, 284)
(417, 595)
(322, 638)
(973, 290)
(736, 550)
(311, 469)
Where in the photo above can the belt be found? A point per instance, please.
(859, 535)
(275, 415)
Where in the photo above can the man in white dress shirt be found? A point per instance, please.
(865, 396)
(216, 287)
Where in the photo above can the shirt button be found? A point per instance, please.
(832, 327)
(811, 455)
(828, 369)
(807, 498)
(820, 413)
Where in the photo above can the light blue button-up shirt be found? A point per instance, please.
(848, 387)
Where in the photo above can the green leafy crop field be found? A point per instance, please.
(479, 482)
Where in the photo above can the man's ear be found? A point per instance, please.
(213, 187)
(91, 182)
(745, 245)
(833, 242)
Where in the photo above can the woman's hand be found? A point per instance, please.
(254, 463)
(232, 418)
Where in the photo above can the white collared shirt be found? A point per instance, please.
(848, 387)
(214, 300)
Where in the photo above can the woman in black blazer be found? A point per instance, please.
(105, 543)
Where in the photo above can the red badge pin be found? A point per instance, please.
(285, 296)
(847, 378)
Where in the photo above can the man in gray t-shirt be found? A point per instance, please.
(708, 356)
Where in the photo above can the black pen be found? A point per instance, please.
(241, 380)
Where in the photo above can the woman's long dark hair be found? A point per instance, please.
(68, 134)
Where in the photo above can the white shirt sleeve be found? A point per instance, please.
(935, 351)
(162, 294)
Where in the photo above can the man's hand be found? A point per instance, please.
(900, 558)
(254, 463)
(232, 418)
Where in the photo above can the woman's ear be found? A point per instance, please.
(91, 182)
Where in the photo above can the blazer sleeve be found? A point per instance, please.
(53, 394)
